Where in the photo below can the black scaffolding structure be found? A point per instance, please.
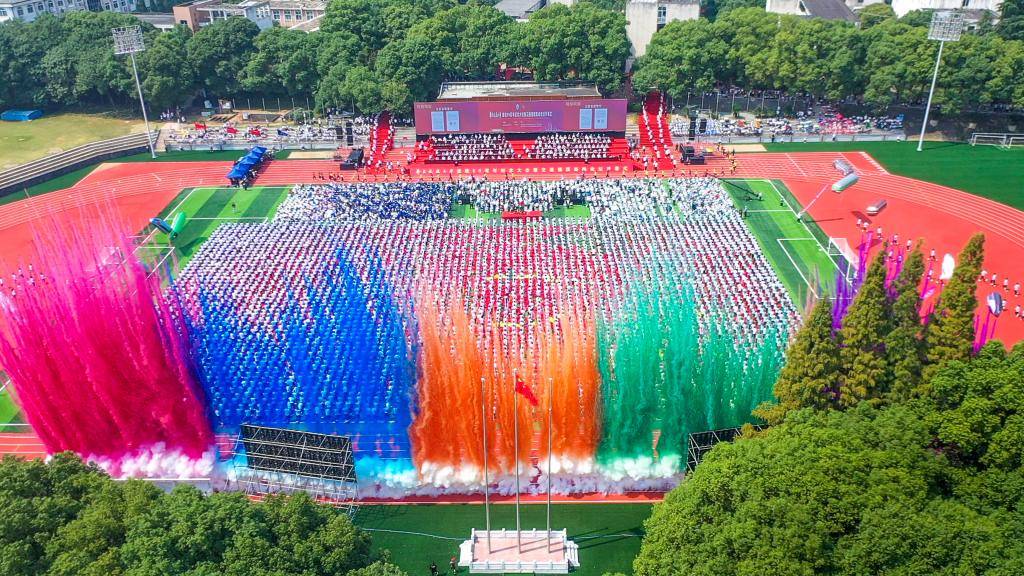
(283, 461)
(702, 442)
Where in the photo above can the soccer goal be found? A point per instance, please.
(1001, 140)
(845, 257)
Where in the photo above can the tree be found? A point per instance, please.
(920, 18)
(864, 369)
(903, 346)
(68, 518)
(220, 51)
(378, 568)
(810, 376)
(875, 14)
(582, 42)
(284, 64)
(167, 78)
(853, 492)
(414, 63)
(682, 56)
(979, 416)
(950, 332)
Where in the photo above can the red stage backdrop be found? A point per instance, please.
(525, 116)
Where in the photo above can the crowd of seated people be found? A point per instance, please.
(570, 146)
(469, 147)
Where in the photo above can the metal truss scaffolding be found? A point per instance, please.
(281, 461)
(702, 442)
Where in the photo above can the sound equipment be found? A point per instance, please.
(703, 128)
(354, 160)
(348, 127)
(339, 132)
(349, 139)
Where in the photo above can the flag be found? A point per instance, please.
(200, 126)
(231, 130)
(522, 388)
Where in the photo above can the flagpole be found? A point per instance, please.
(487, 498)
(515, 428)
(550, 391)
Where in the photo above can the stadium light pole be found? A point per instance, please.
(128, 40)
(945, 27)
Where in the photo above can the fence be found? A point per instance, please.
(804, 138)
(46, 168)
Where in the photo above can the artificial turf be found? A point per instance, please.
(59, 183)
(207, 208)
(186, 156)
(794, 248)
(608, 534)
(987, 171)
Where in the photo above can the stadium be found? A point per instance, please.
(530, 297)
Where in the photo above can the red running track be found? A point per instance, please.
(944, 217)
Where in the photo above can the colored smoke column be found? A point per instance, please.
(97, 358)
(467, 385)
(336, 362)
(665, 377)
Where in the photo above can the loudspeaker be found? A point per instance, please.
(703, 126)
(692, 131)
(348, 128)
(339, 132)
(349, 139)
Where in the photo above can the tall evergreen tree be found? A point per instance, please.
(904, 346)
(809, 376)
(864, 367)
(950, 333)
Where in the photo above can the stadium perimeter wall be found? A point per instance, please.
(49, 167)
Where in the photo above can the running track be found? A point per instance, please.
(943, 217)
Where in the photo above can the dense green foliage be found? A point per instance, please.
(66, 518)
(371, 54)
(886, 61)
(915, 467)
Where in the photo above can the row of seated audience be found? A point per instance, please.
(496, 147)
(470, 147)
(570, 146)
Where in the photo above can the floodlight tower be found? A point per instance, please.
(945, 27)
(128, 40)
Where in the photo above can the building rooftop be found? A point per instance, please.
(519, 9)
(830, 10)
(308, 26)
(556, 90)
(298, 4)
(157, 20)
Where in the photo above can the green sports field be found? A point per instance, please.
(796, 249)
(608, 534)
(207, 208)
(987, 171)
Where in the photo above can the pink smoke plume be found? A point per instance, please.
(96, 357)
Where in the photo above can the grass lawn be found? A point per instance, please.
(608, 534)
(983, 170)
(793, 248)
(21, 142)
(207, 208)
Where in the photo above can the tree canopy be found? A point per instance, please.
(67, 518)
(368, 53)
(883, 62)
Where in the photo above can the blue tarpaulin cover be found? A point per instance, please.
(20, 115)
